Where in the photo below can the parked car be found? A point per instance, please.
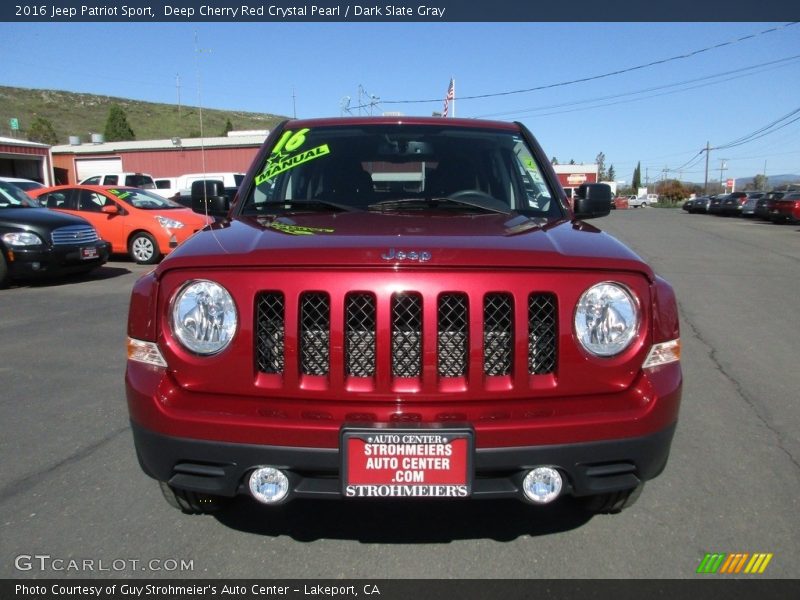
(787, 209)
(167, 187)
(732, 204)
(641, 201)
(26, 185)
(229, 180)
(687, 206)
(392, 308)
(138, 222)
(137, 180)
(36, 242)
(620, 202)
(749, 207)
(715, 204)
(700, 205)
(766, 204)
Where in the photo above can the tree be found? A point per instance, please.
(636, 181)
(612, 174)
(228, 127)
(554, 161)
(760, 182)
(600, 159)
(117, 128)
(42, 131)
(672, 191)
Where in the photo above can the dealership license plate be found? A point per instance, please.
(406, 463)
(88, 253)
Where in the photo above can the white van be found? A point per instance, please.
(137, 180)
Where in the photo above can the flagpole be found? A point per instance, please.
(454, 96)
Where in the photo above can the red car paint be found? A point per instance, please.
(224, 399)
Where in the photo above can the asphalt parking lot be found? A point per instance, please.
(70, 487)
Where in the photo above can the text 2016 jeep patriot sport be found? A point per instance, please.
(402, 307)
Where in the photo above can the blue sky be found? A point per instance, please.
(661, 115)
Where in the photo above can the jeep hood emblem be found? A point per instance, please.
(417, 255)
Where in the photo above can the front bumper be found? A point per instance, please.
(25, 263)
(220, 468)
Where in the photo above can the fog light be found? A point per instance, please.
(269, 485)
(542, 485)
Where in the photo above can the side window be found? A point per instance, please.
(55, 200)
(111, 180)
(92, 180)
(91, 201)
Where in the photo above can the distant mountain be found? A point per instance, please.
(83, 114)
(774, 180)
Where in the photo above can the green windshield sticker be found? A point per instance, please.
(119, 194)
(287, 154)
(298, 229)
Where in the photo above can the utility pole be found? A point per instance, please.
(723, 166)
(294, 104)
(708, 151)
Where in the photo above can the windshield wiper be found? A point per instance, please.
(471, 199)
(312, 205)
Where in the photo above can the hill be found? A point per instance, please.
(82, 114)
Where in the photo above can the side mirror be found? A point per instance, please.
(110, 209)
(592, 200)
(208, 198)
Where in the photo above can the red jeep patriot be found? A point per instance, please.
(402, 307)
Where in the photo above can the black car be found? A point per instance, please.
(766, 204)
(715, 204)
(732, 204)
(35, 241)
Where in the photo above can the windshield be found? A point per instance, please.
(144, 200)
(140, 181)
(13, 197)
(390, 168)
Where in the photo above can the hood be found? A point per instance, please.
(421, 240)
(37, 218)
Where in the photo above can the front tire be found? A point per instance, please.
(3, 271)
(143, 249)
(191, 503)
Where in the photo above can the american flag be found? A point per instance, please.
(451, 95)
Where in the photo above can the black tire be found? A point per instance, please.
(191, 503)
(3, 271)
(143, 249)
(612, 502)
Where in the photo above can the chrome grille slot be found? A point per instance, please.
(269, 332)
(406, 335)
(315, 326)
(452, 328)
(74, 235)
(360, 324)
(498, 335)
(542, 312)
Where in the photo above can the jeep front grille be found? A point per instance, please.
(358, 351)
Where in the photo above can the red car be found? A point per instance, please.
(787, 209)
(403, 307)
(137, 222)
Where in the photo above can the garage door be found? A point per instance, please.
(86, 167)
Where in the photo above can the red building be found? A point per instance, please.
(159, 158)
(571, 176)
(27, 160)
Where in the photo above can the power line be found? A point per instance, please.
(604, 75)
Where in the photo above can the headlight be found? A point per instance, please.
(169, 223)
(606, 319)
(204, 317)
(22, 238)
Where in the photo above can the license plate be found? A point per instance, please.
(88, 253)
(406, 463)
